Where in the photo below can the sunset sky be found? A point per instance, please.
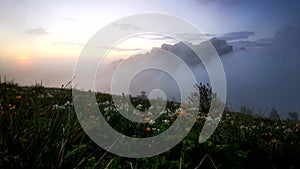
(38, 37)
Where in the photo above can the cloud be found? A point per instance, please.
(37, 31)
(125, 26)
(156, 37)
(186, 36)
(126, 49)
(191, 36)
(120, 49)
(69, 43)
(236, 35)
(221, 2)
(103, 47)
(72, 19)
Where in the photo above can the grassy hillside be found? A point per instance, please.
(39, 129)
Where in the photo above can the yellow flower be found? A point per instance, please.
(12, 107)
(273, 140)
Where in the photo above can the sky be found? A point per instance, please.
(41, 40)
(55, 29)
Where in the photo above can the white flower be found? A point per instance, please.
(208, 118)
(217, 119)
(136, 112)
(41, 96)
(288, 130)
(139, 106)
(50, 95)
(152, 121)
(166, 121)
(162, 112)
(58, 107)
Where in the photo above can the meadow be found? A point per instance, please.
(39, 129)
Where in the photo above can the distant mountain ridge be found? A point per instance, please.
(186, 54)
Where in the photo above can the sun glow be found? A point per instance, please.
(23, 57)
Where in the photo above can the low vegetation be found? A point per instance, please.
(39, 129)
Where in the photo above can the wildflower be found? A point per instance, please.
(244, 127)
(12, 107)
(203, 114)
(177, 113)
(297, 127)
(18, 97)
(1, 112)
(148, 129)
(152, 122)
(208, 118)
(217, 119)
(232, 123)
(166, 121)
(139, 106)
(41, 96)
(162, 112)
(135, 112)
(147, 118)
